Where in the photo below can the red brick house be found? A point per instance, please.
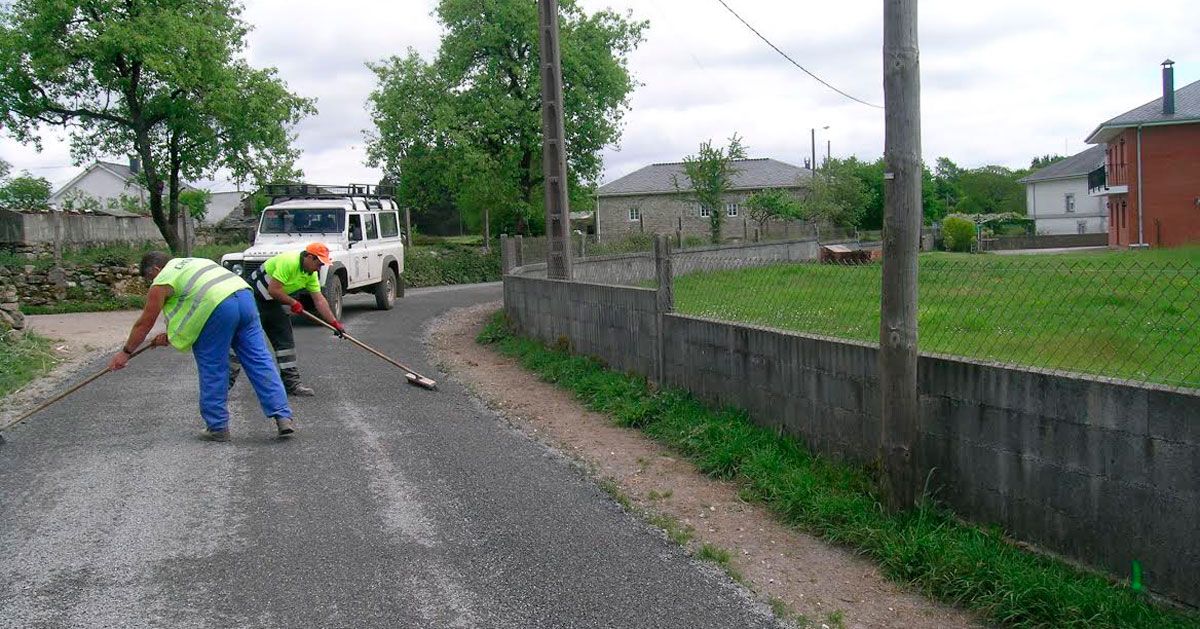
(1151, 173)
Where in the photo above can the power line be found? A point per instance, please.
(793, 61)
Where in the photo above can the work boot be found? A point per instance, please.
(301, 390)
(215, 435)
(284, 426)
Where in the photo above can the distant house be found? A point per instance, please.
(112, 186)
(1150, 179)
(103, 185)
(1057, 199)
(648, 201)
(220, 206)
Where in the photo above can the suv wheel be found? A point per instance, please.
(385, 291)
(333, 294)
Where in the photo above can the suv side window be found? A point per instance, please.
(356, 232)
(389, 224)
(372, 230)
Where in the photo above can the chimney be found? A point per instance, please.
(1168, 87)
(135, 165)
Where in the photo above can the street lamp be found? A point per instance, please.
(813, 164)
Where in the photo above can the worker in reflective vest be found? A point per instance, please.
(277, 285)
(209, 311)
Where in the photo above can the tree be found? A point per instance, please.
(25, 193)
(837, 195)
(160, 79)
(196, 202)
(990, 190)
(5, 168)
(709, 176)
(764, 205)
(481, 98)
(1044, 161)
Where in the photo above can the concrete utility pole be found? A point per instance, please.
(901, 242)
(554, 150)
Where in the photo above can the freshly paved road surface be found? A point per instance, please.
(392, 507)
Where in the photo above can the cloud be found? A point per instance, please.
(1000, 82)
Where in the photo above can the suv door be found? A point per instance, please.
(389, 232)
(374, 259)
(358, 252)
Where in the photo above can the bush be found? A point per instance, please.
(959, 233)
(436, 266)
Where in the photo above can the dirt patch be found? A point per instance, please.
(78, 339)
(822, 583)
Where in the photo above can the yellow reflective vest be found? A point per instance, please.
(198, 286)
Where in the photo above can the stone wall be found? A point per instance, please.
(11, 317)
(1043, 241)
(42, 285)
(76, 229)
(1100, 471)
(671, 213)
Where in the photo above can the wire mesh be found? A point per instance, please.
(1129, 316)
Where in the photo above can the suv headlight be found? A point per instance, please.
(236, 268)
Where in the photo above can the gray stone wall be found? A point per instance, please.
(77, 229)
(667, 213)
(41, 285)
(1043, 241)
(1103, 472)
(617, 325)
(11, 317)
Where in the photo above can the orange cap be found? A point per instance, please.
(319, 250)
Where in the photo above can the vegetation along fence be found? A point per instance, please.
(1060, 394)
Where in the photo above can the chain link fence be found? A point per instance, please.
(1126, 316)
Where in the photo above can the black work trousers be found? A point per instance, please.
(277, 323)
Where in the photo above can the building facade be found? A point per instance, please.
(1056, 197)
(1150, 179)
(656, 200)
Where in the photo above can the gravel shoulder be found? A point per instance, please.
(818, 582)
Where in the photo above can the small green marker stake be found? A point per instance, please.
(1136, 581)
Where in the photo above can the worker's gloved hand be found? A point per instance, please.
(297, 307)
(339, 330)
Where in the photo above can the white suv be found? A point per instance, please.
(359, 223)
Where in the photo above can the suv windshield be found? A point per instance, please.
(303, 221)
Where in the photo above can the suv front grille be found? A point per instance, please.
(249, 267)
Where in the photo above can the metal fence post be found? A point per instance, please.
(664, 302)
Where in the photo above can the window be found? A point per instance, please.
(1070, 201)
(731, 209)
(1081, 226)
(1124, 222)
(355, 228)
(705, 212)
(635, 213)
(302, 221)
(372, 230)
(389, 224)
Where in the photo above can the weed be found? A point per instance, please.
(23, 357)
(675, 531)
(836, 620)
(659, 495)
(611, 488)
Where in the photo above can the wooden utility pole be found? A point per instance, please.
(901, 242)
(554, 150)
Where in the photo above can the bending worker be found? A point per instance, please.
(277, 284)
(210, 311)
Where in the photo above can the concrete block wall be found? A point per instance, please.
(618, 325)
(1103, 472)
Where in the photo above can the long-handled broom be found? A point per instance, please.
(410, 374)
(90, 379)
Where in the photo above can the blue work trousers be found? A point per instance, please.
(235, 324)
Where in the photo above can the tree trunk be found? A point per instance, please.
(154, 188)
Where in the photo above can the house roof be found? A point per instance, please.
(1078, 165)
(1187, 110)
(751, 174)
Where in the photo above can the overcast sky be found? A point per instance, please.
(1000, 82)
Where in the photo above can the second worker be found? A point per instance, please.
(277, 284)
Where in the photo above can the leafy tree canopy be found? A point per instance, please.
(25, 193)
(469, 122)
(161, 79)
(777, 204)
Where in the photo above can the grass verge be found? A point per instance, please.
(964, 565)
(120, 302)
(23, 357)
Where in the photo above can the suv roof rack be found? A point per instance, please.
(287, 191)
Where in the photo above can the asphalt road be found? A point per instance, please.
(392, 507)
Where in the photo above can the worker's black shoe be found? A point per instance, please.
(284, 426)
(215, 435)
(301, 391)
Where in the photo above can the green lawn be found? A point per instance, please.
(1132, 315)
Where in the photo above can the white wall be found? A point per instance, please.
(220, 205)
(1046, 203)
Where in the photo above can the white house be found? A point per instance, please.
(1056, 196)
(221, 205)
(105, 183)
